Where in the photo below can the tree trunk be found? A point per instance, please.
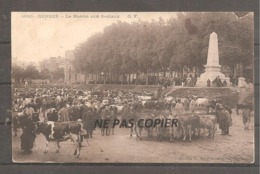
(235, 71)
(136, 81)
(147, 78)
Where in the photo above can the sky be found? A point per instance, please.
(40, 35)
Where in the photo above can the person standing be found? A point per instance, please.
(28, 136)
(192, 105)
(246, 118)
(63, 114)
(106, 116)
(113, 118)
(186, 104)
(125, 110)
(88, 118)
(225, 120)
(208, 83)
(179, 107)
(44, 108)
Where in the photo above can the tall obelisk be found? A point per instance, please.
(213, 68)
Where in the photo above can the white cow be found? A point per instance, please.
(202, 102)
(145, 98)
(168, 99)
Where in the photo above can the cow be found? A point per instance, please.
(145, 98)
(149, 104)
(202, 102)
(130, 114)
(161, 131)
(172, 130)
(188, 124)
(160, 105)
(141, 124)
(168, 99)
(208, 122)
(61, 131)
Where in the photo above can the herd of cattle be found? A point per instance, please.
(194, 114)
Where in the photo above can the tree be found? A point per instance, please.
(150, 47)
(17, 73)
(58, 74)
(45, 74)
(31, 72)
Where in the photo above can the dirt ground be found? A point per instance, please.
(121, 148)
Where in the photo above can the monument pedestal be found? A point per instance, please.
(242, 82)
(211, 73)
(212, 69)
(202, 80)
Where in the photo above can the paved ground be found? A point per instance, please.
(120, 148)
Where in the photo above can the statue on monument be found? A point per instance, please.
(212, 68)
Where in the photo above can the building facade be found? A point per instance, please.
(71, 76)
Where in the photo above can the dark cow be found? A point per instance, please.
(61, 131)
(160, 105)
(149, 104)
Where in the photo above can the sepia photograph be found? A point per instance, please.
(132, 87)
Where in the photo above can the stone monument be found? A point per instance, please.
(212, 69)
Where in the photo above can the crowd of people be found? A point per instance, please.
(87, 106)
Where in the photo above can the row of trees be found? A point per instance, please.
(166, 45)
(30, 72)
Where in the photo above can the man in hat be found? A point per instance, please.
(88, 119)
(125, 110)
(105, 116)
(179, 108)
(186, 104)
(63, 113)
(26, 122)
(246, 118)
(224, 119)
